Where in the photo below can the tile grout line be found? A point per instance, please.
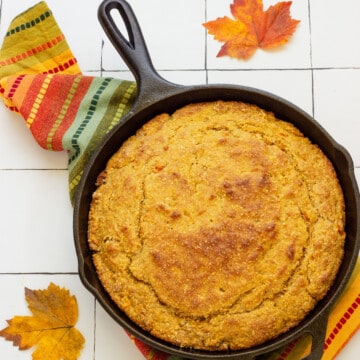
(237, 69)
(94, 314)
(42, 273)
(206, 45)
(33, 169)
(0, 10)
(101, 56)
(311, 63)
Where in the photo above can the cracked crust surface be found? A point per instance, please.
(217, 227)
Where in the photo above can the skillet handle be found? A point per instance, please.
(318, 332)
(133, 50)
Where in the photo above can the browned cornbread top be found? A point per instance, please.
(217, 227)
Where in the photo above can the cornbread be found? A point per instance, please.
(217, 227)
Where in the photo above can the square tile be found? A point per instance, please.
(37, 233)
(294, 54)
(176, 42)
(335, 33)
(292, 85)
(337, 105)
(12, 303)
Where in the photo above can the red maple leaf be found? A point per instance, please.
(252, 28)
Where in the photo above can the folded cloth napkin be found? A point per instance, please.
(65, 110)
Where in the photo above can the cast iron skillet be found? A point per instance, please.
(156, 95)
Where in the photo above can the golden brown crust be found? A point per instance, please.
(217, 227)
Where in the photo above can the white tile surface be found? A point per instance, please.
(337, 105)
(318, 70)
(292, 85)
(38, 216)
(335, 38)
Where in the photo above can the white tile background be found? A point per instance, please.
(318, 70)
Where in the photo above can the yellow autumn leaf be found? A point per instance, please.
(51, 329)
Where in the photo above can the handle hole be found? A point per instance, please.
(121, 26)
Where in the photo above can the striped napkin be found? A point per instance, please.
(65, 110)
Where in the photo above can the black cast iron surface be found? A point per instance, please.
(157, 95)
